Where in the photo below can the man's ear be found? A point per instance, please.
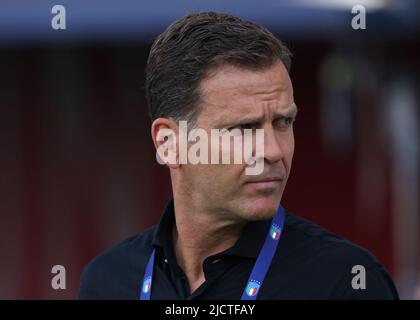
(164, 135)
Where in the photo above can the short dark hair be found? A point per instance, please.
(192, 46)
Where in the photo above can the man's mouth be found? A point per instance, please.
(266, 182)
(265, 179)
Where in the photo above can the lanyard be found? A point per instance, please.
(259, 270)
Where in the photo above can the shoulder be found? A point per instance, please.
(344, 269)
(114, 273)
(308, 236)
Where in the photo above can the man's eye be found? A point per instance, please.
(285, 122)
(246, 126)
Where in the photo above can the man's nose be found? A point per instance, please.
(273, 151)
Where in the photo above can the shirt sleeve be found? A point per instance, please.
(378, 285)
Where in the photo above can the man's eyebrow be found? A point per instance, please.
(248, 120)
(292, 113)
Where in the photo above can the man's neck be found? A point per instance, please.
(198, 235)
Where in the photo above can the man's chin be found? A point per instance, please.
(263, 208)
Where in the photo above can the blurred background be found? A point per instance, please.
(77, 165)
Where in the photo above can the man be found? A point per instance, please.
(225, 235)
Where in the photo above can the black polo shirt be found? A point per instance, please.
(310, 263)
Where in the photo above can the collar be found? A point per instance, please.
(248, 245)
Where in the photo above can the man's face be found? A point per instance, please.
(244, 99)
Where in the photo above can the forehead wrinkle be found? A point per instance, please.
(263, 89)
(218, 112)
